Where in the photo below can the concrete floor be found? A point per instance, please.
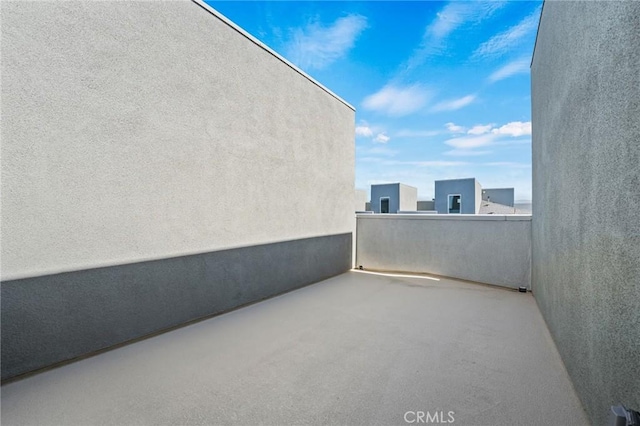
(355, 349)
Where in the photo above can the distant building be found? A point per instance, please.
(393, 197)
(458, 196)
(504, 196)
(426, 205)
(466, 196)
(489, 207)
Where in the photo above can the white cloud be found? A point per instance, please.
(504, 41)
(514, 129)
(483, 136)
(382, 138)
(437, 163)
(454, 128)
(508, 164)
(315, 46)
(512, 68)
(468, 142)
(465, 152)
(397, 100)
(454, 104)
(454, 15)
(364, 131)
(405, 133)
(433, 163)
(480, 129)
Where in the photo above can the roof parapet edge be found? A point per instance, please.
(234, 26)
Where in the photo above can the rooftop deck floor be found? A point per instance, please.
(355, 349)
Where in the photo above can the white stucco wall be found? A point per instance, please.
(478, 198)
(360, 200)
(408, 198)
(585, 93)
(492, 249)
(144, 130)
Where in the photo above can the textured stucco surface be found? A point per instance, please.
(50, 319)
(143, 130)
(467, 188)
(504, 196)
(360, 200)
(586, 195)
(357, 349)
(493, 249)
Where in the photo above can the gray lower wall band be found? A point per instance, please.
(51, 319)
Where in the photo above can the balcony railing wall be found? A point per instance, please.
(492, 249)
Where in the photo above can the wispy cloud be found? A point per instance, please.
(470, 147)
(397, 100)
(364, 131)
(316, 46)
(438, 163)
(509, 164)
(381, 138)
(519, 66)
(467, 142)
(454, 104)
(466, 153)
(484, 136)
(454, 15)
(432, 163)
(454, 128)
(503, 42)
(406, 133)
(480, 129)
(514, 129)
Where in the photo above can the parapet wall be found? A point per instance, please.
(492, 249)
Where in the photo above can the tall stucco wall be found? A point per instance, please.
(586, 195)
(137, 135)
(360, 200)
(142, 130)
(408, 198)
(493, 249)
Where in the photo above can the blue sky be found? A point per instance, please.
(441, 89)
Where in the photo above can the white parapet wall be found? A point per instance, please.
(491, 249)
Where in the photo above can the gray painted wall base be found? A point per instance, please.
(51, 319)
